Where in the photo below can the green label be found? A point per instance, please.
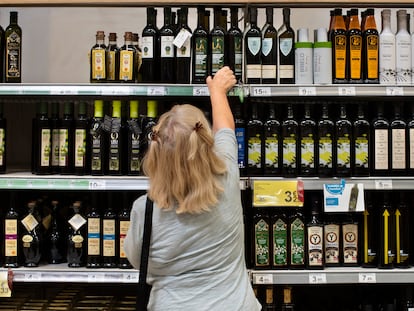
(272, 151)
(217, 53)
(279, 243)
(261, 238)
(297, 242)
(201, 56)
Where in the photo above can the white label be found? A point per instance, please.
(267, 45)
(367, 278)
(398, 149)
(156, 91)
(285, 45)
(286, 71)
(253, 43)
(307, 91)
(253, 71)
(262, 91)
(263, 279)
(29, 222)
(383, 184)
(317, 278)
(403, 58)
(394, 91)
(147, 47)
(167, 46)
(387, 58)
(346, 91)
(381, 149)
(200, 91)
(5, 290)
(77, 221)
(269, 71)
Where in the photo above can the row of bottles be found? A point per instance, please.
(307, 237)
(353, 142)
(103, 144)
(82, 233)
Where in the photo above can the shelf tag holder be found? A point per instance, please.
(5, 290)
(278, 193)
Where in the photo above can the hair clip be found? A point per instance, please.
(154, 135)
(198, 126)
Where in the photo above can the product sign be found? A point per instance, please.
(343, 197)
(278, 193)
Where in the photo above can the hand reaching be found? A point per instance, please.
(222, 82)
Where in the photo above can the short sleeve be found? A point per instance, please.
(226, 144)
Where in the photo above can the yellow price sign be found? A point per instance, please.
(5, 291)
(278, 193)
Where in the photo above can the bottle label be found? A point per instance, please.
(381, 149)
(285, 45)
(111, 59)
(45, 148)
(340, 57)
(135, 162)
(269, 71)
(94, 236)
(123, 229)
(411, 133)
(147, 47)
(289, 151)
(217, 53)
(280, 239)
(167, 46)
(2, 146)
(361, 151)
(238, 56)
(114, 156)
(254, 45)
(297, 242)
(325, 152)
(255, 152)
(185, 49)
(272, 151)
(55, 147)
(80, 148)
(109, 237)
(126, 67)
(350, 243)
(63, 147)
(241, 146)
(387, 59)
(267, 45)
(13, 56)
(27, 239)
(77, 241)
(201, 56)
(372, 56)
(315, 245)
(398, 148)
(307, 155)
(96, 150)
(253, 71)
(98, 64)
(10, 237)
(30, 222)
(332, 244)
(355, 50)
(343, 151)
(76, 222)
(261, 239)
(286, 71)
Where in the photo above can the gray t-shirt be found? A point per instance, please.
(196, 262)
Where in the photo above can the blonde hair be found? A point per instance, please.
(181, 163)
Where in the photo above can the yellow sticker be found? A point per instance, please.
(278, 193)
(5, 291)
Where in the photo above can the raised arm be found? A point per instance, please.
(218, 87)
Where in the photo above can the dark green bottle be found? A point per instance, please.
(254, 135)
(343, 138)
(272, 143)
(13, 50)
(97, 140)
(109, 246)
(81, 145)
(200, 49)
(308, 148)
(290, 137)
(66, 140)
(94, 234)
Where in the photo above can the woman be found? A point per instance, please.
(196, 259)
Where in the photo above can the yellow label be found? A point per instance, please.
(45, 147)
(278, 193)
(372, 57)
(94, 229)
(30, 222)
(355, 49)
(123, 229)
(10, 237)
(5, 290)
(109, 237)
(340, 57)
(126, 65)
(80, 147)
(98, 64)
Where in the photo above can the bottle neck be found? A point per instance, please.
(401, 22)
(100, 41)
(290, 114)
(307, 114)
(200, 18)
(386, 22)
(354, 22)
(361, 114)
(339, 22)
(272, 112)
(217, 18)
(325, 113)
(269, 16)
(234, 17)
(151, 17)
(342, 114)
(370, 22)
(286, 18)
(253, 17)
(255, 114)
(167, 17)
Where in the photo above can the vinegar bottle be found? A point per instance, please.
(109, 252)
(354, 43)
(380, 144)
(98, 59)
(76, 238)
(370, 39)
(123, 219)
(31, 239)
(127, 60)
(315, 238)
(94, 234)
(55, 241)
(339, 48)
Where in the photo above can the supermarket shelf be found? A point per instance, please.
(61, 273)
(340, 275)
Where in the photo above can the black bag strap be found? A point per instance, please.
(146, 241)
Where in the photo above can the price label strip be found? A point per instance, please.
(346, 91)
(278, 193)
(5, 290)
(367, 278)
(317, 278)
(395, 91)
(261, 91)
(157, 91)
(307, 91)
(200, 91)
(383, 184)
(262, 279)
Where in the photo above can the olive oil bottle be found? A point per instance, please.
(11, 235)
(200, 43)
(127, 60)
(94, 234)
(343, 138)
(97, 140)
(98, 59)
(339, 48)
(76, 237)
(370, 39)
(360, 144)
(290, 137)
(297, 241)
(308, 148)
(354, 44)
(254, 136)
(261, 239)
(315, 258)
(280, 239)
(370, 238)
(31, 237)
(112, 59)
(13, 50)
(325, 143)
(272, 143)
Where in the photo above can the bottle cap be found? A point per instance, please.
(152, 108)
(68, 108)
(402, 13)
(133, 109)
(116, 108)
(386, 12)
(303, 35)
(98, 104)
(321, 35)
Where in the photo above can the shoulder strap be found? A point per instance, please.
(146, 241)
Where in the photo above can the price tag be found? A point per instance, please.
(156, 91)
(278, 193)
(63, 90)
(317, 278)
(181, 38)
(117, 90)
(367, 278)
(200, 91)
(95, 277)
(5, 291)
(395, 91)
(307, 91)
(97, 185)
(263, 279)
(32, 277)
(262, 91)
(130, 277)
(346, 91)
(383, 184)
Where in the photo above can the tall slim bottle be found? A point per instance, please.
(332, 241)
(127, 60)
(286, 50)
(81, 147)
(380, 144)
(97, 140)
(55, 240)
(252, 50)
(279, 239)
(315, 258)
(370, 39)
(66, 140)
(98, 59)
(3, 142)
(11, 235)
(55, 146)
(150, 53)
(76, 239)
(360, 144)
(290, 137)
(387, 50)
(31, 239)
(183, 53)
(354, 36)
(325, 143)
(350, 241)
(218, 43)
(261, 238)
(254, 134)
(370, 238)
(386, 250)
(167, 49)
(339, 48)
(403, 50)
(94, 234)
(272, 143)
(133, 138)
(297, 241)
(200, 50)
(307, 140)
(42, 140)
(123, 220)
(109, 249)
(402, 231)
(149, 121)
(112, 59)
(13, 50)
(138, 57)
(240, 130)
(343, 138)
(116, 141)
(235, 40)
(398, 142)
(410, 142)
(269, 50)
